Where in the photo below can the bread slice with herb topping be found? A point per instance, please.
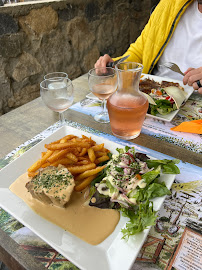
(52, 185)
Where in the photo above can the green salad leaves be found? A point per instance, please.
(128, 183)
(140, 218)
(167, 166)
(163, 107)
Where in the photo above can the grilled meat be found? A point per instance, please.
(147, 84)
(167, 84)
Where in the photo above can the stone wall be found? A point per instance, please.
(69, 36)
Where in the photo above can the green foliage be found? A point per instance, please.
(140, 218)
(167, 166)
(163, 107)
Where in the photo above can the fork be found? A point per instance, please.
(173, 67)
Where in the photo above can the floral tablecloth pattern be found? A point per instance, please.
(192, 110)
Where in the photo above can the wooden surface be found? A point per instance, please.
(15, 257)
(25, 122)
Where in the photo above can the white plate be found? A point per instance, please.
(113, 253)
(168, 117)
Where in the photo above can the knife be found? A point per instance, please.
(112, 64)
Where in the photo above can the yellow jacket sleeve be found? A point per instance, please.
(154, 38)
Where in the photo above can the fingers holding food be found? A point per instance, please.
(193, 77)
(103, 60)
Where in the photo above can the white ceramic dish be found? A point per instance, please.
(168, 117)
(113, 253)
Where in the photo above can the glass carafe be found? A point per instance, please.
(128, 106)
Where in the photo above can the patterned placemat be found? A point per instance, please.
(160, 129)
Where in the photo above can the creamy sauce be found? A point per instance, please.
(91, 224)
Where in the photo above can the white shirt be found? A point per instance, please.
(185, 46)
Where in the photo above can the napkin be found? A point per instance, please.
(194, 126)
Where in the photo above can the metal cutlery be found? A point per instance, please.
(173, 67)
(112, 64)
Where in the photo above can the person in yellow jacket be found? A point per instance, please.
(172, 34)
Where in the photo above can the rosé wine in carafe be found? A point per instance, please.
(127, 107)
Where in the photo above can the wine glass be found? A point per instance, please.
(54, 75)
(102, 83)
(58, 94)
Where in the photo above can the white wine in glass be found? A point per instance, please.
(102, 83)
(58, 94)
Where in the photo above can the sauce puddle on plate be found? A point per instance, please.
(91, 224)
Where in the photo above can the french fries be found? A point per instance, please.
(80, 169)
(88, 173)
(82, 185)
(40, 162)
(72, 156)
(98, 147)
(81, 156)
(91, 154)
(57, 155)
(60, 146)
(101, 159)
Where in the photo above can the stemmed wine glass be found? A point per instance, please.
(54, 75)
(102, 83)
(57, 93)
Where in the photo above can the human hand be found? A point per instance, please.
(103, 60)
(192, 75)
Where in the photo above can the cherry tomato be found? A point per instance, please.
(170, 99)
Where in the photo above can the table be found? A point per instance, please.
(27, 121)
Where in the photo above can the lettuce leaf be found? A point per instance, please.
(138, 194)
(139, 219)
(163, 106)
(167, 166)
(100, 176)
(111, 188)
(151, 175)
(170, 168)
(141, 215)
(156, 190)
(164, 111)
(151, 191)
(103, 202)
